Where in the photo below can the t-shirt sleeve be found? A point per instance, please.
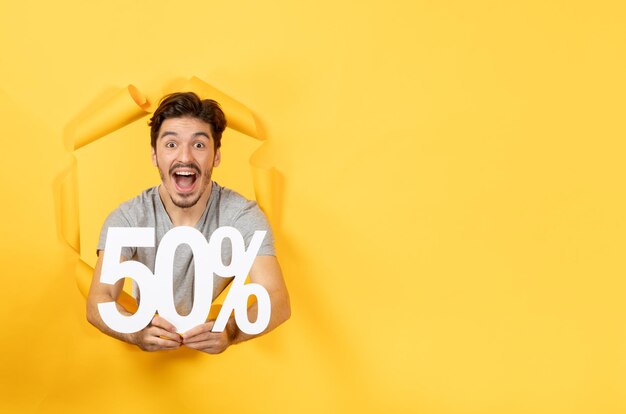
(116, 219)
(251, 219)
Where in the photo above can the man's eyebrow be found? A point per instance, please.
(202, 134)
(166, 133)
(196, 134)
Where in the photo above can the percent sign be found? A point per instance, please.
(156, 289)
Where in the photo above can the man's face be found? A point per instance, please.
(185, 158)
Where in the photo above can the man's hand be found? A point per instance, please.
(159, 335)
(202, 339)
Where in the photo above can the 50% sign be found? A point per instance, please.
(157, 289)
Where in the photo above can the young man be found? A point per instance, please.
(185, 136)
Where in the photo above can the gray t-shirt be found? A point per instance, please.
(225, 208)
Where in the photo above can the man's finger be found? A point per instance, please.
(156, 331)
(165, 343)
(162, 323)
(196, 330)
(200, 345)
(209, 348)
(204, 336)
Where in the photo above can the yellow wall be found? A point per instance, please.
(453, 208)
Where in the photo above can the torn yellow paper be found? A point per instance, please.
(267, 191)
(239, 117)
(70, 229)
(124, 107)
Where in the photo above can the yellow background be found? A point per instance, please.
(453, 204)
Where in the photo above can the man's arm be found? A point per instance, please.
(158, 335)
(266, 272)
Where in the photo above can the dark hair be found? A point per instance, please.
(188, 104)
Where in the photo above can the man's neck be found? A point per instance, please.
(185, 216)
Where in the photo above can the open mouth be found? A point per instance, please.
(184, 180)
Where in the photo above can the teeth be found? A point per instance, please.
(185, 173)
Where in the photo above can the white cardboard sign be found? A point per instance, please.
(157, 289)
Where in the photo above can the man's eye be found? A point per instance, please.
(199, 145)
(170, 145)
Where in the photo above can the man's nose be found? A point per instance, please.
(184, 155)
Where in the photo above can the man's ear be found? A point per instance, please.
(217, 158)
(154, 160)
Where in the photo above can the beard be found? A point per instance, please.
(188, 200)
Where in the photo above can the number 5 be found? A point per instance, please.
(113, 270)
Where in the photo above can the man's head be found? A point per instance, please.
(185, 137)
(188, 104)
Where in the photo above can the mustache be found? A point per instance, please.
(191, 166)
